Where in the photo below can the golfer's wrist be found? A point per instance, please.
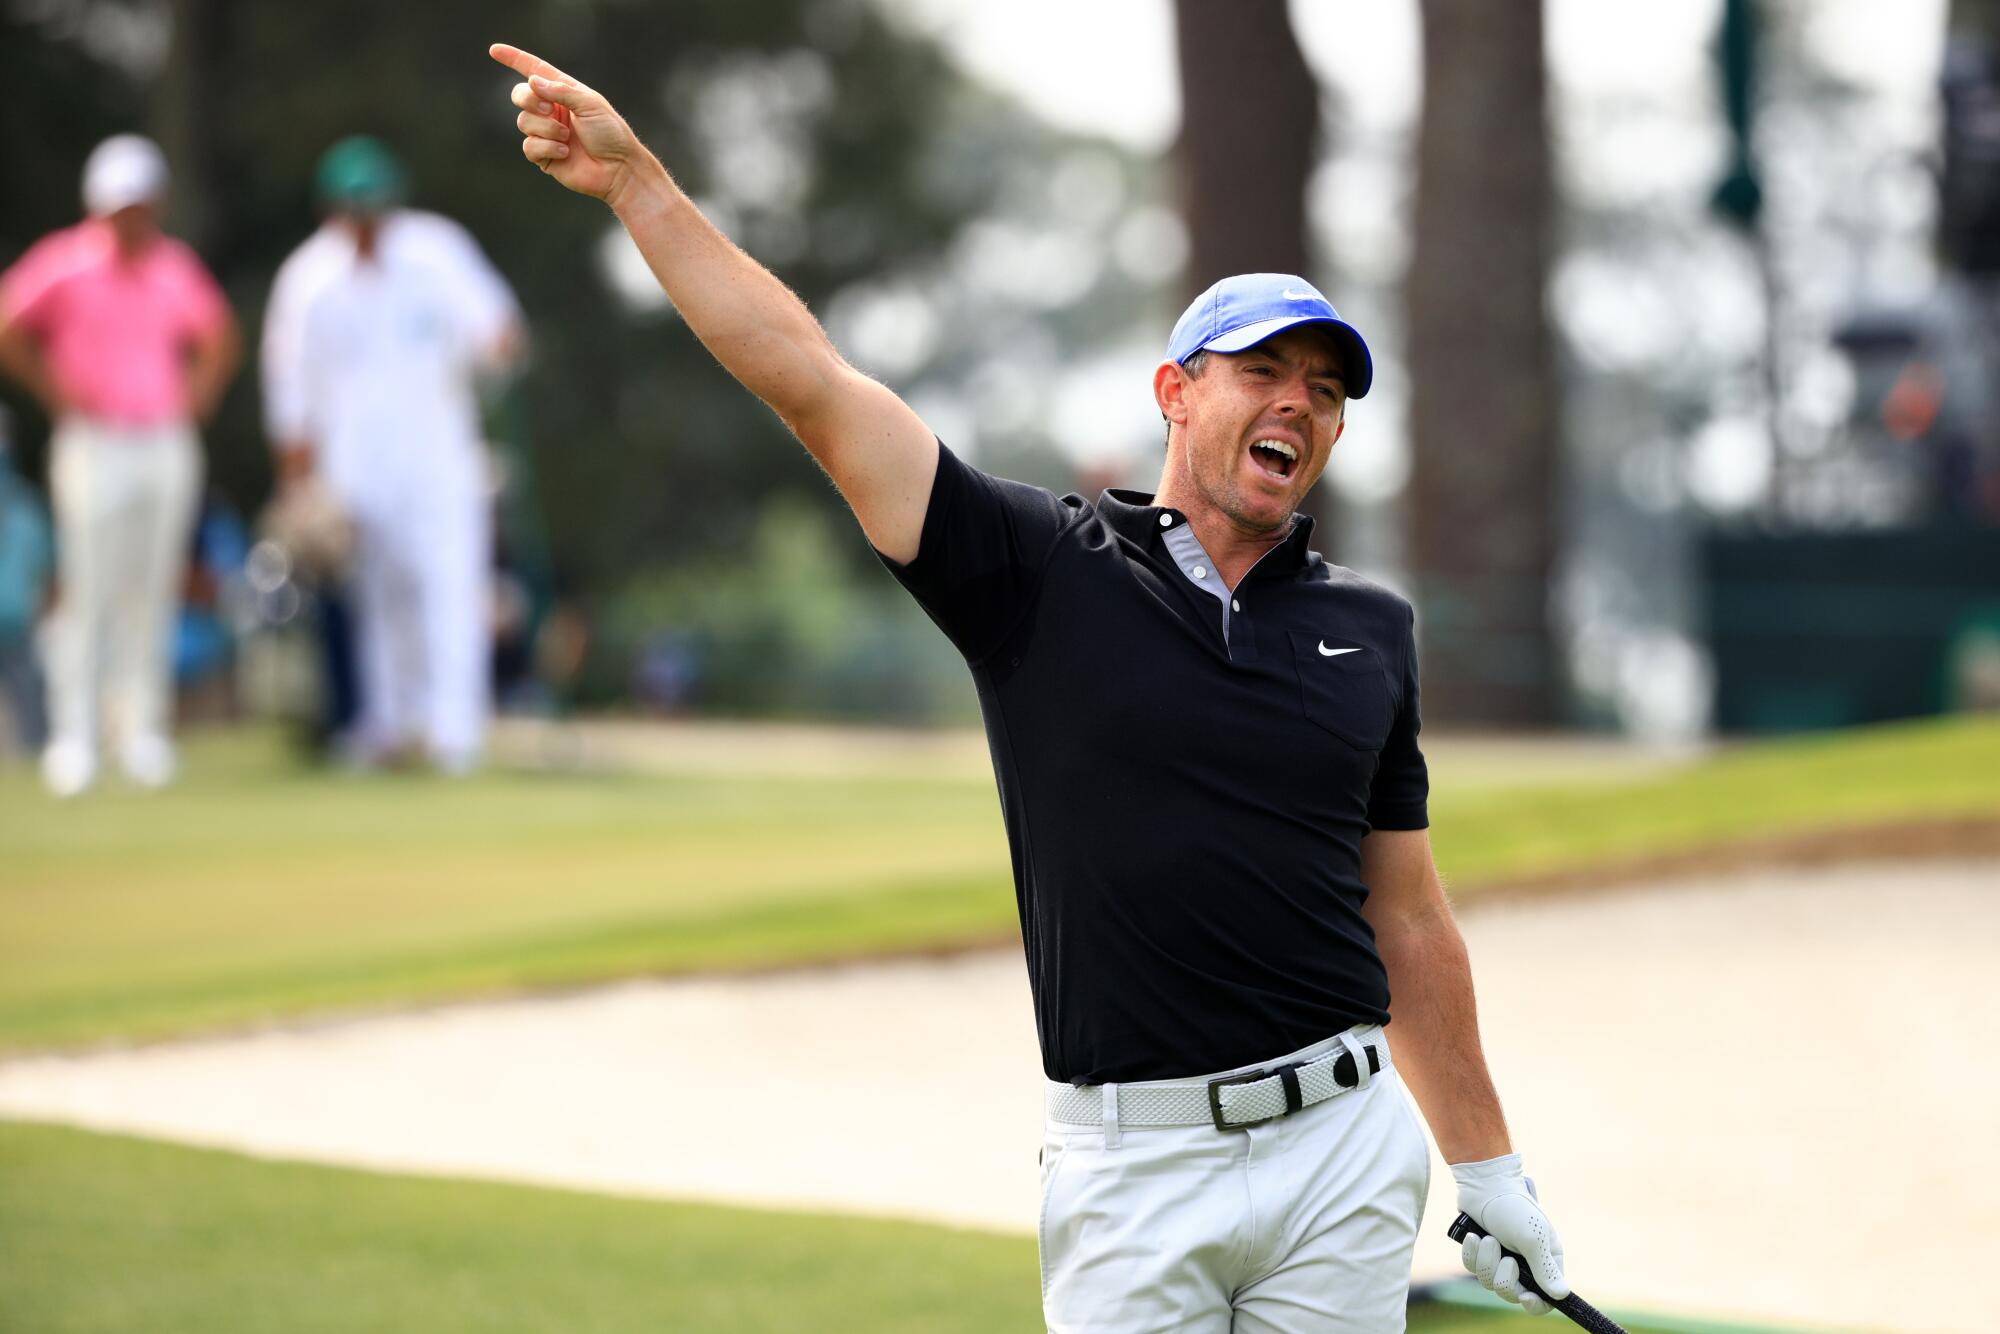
(1482, 1181)
(1486, 1171)
(1472, 1141)
(644, 186)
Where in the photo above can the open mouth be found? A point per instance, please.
(1276, 457)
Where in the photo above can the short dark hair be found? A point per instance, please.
(1196, 363)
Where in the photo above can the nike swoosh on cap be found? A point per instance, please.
(1291, 295)
(1335, 652)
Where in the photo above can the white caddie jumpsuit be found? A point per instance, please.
(373, 362)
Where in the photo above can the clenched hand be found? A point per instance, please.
(1502, 1202)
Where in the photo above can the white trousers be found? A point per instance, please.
(423, 604)
(125, 500)
(1303, 1225)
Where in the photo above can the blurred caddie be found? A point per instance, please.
(380, 328)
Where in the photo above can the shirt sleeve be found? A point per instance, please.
(281, 353)
(980, 559)
(28, 289)
(1401, 791)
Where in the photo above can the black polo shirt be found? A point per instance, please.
(1184, 809)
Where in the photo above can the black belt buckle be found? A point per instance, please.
(1344, 1073)
(1288, 1074)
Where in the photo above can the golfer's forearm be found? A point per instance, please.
(1435, 1028)
(504, 352)
(753, 324)
(293, 459)
(210, 366)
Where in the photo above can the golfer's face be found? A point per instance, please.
(135, 224)
(1261, 424)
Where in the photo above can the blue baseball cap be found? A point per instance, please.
(1243, 311)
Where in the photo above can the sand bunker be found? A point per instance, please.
(1770, 1097)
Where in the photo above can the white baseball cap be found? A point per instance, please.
(124, 170)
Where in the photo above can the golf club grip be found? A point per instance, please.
(1573, 1306)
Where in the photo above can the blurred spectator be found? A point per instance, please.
(667, 673)
(379, 328)
(514, 684)
(129, 343)
(205, 635)
(560, 649)
(26, 560)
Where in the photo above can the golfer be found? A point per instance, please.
(1205, 739)
(127, 340)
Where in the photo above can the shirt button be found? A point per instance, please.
(1234, 605)
(1166, 521)
(1200, 573)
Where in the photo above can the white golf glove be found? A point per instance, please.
(1502, 1202)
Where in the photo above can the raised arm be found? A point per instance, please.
(877, 451)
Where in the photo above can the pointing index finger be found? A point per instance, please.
(525, 63)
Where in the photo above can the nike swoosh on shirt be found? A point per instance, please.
(1335, 652)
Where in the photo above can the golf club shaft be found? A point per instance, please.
(1573, 1306)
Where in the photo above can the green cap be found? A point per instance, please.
(361, 174)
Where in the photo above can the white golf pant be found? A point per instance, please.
(124, 501)
(1303, 1225)
(424, 602)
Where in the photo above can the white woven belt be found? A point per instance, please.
(1231, 1102)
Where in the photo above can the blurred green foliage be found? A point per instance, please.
(782, 627)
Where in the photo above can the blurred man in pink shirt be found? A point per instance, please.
(127, 340)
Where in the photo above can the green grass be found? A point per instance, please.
(1936, 769)
(259, 888)
(1464, 1305)
(103, 1234)
(107, 1234)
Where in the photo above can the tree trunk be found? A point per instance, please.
(1483, 414)
(1249, 138)
(1249, 141)
(1968, 221)
(1977, 20)
(184, 107)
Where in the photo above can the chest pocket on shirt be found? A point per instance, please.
(1343, 688)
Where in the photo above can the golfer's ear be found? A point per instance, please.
(1170, 391)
